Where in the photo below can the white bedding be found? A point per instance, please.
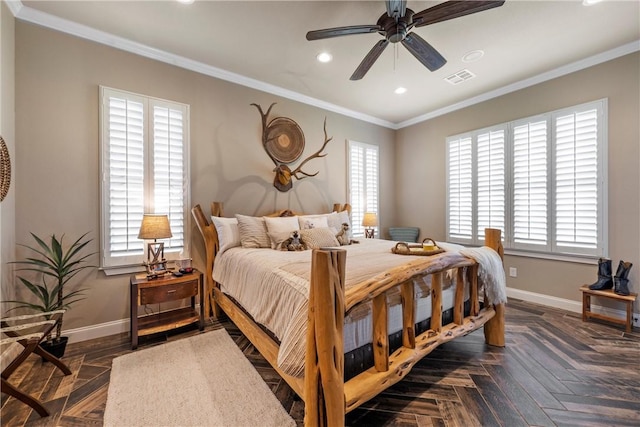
(272, 286)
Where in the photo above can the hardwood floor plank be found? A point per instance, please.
(474, 403)
(585, 419)
(454, 414)
(611, 407)
(519, 398)
(631, 394)
(498, 402)
(530, 373)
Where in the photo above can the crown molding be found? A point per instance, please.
(46, 20)
(63, 25)
(522, 84)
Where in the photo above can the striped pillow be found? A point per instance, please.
(253, 232)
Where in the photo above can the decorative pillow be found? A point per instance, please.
(281, 224)
(313, 221)
(278, 238)
(315, 238)
(253, 232)
(228, 232)
(336, 219)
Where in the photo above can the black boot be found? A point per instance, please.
(621, 280)
(605, 281)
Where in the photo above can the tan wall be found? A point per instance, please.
(57, 129)
(421, 158)
(7, 130)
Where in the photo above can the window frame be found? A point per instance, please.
(551, 249)
(120, 264)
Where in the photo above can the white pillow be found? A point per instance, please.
(313, 221)
(253, 232)
(228, 232)
(277, 225)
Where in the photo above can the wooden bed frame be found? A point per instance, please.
(326, 395)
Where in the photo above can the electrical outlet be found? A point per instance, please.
(513, 272)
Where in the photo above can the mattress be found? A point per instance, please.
(273, 287)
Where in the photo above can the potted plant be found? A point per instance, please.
(55, 266)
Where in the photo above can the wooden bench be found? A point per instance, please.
(607, 293)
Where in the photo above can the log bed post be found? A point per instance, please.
(494, 328)
(324, 363)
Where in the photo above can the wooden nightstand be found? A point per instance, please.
(165, 289)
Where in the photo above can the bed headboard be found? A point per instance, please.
(212, 246)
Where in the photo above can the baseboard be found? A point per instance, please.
(98, 331)
(569, 305)
(122, 326)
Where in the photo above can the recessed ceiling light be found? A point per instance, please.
(186, 1)
(324, 57)
(590, 2)
(400, 90)
(472, 56)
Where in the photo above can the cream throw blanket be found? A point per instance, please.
(490, 270)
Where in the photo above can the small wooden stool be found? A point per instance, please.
(607, 293)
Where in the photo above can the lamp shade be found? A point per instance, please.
(370, 219)
(155, 227)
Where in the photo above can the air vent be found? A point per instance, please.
(460, 76)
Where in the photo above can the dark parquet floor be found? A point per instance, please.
(555, 371)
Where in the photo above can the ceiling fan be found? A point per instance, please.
(395, 26)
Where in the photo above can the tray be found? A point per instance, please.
(402, 248)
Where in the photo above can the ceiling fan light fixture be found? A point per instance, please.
(473, 56)
(324, 57)
(400, 90)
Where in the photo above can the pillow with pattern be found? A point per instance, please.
(253, 232)
(315, 238)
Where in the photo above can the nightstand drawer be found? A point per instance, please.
(158, 294)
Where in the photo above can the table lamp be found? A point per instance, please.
(155, 227)
(369, 221)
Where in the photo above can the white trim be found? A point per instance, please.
(115, 327)
(123, 326)
(79, 30)
(46, 20)
(522, 84)
(569, 305)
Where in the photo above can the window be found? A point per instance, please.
(363, 183)
(145, 169)
(541, 180)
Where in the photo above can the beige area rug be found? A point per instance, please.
(204, 380)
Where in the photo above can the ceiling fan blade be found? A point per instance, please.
(368, 60)
(396, 8)
(452, 9)
(342, 31)
(423, 51)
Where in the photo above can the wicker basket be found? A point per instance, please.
(402, 248)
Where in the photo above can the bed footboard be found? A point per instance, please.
(327, 397)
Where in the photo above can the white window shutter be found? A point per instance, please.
(490, 191)
(125, 176)
(363, 183)
(168, 170)
(576, 188)
(145, 169)
(530, 185)
(460, 189)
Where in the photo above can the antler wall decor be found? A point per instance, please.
(283, 141)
